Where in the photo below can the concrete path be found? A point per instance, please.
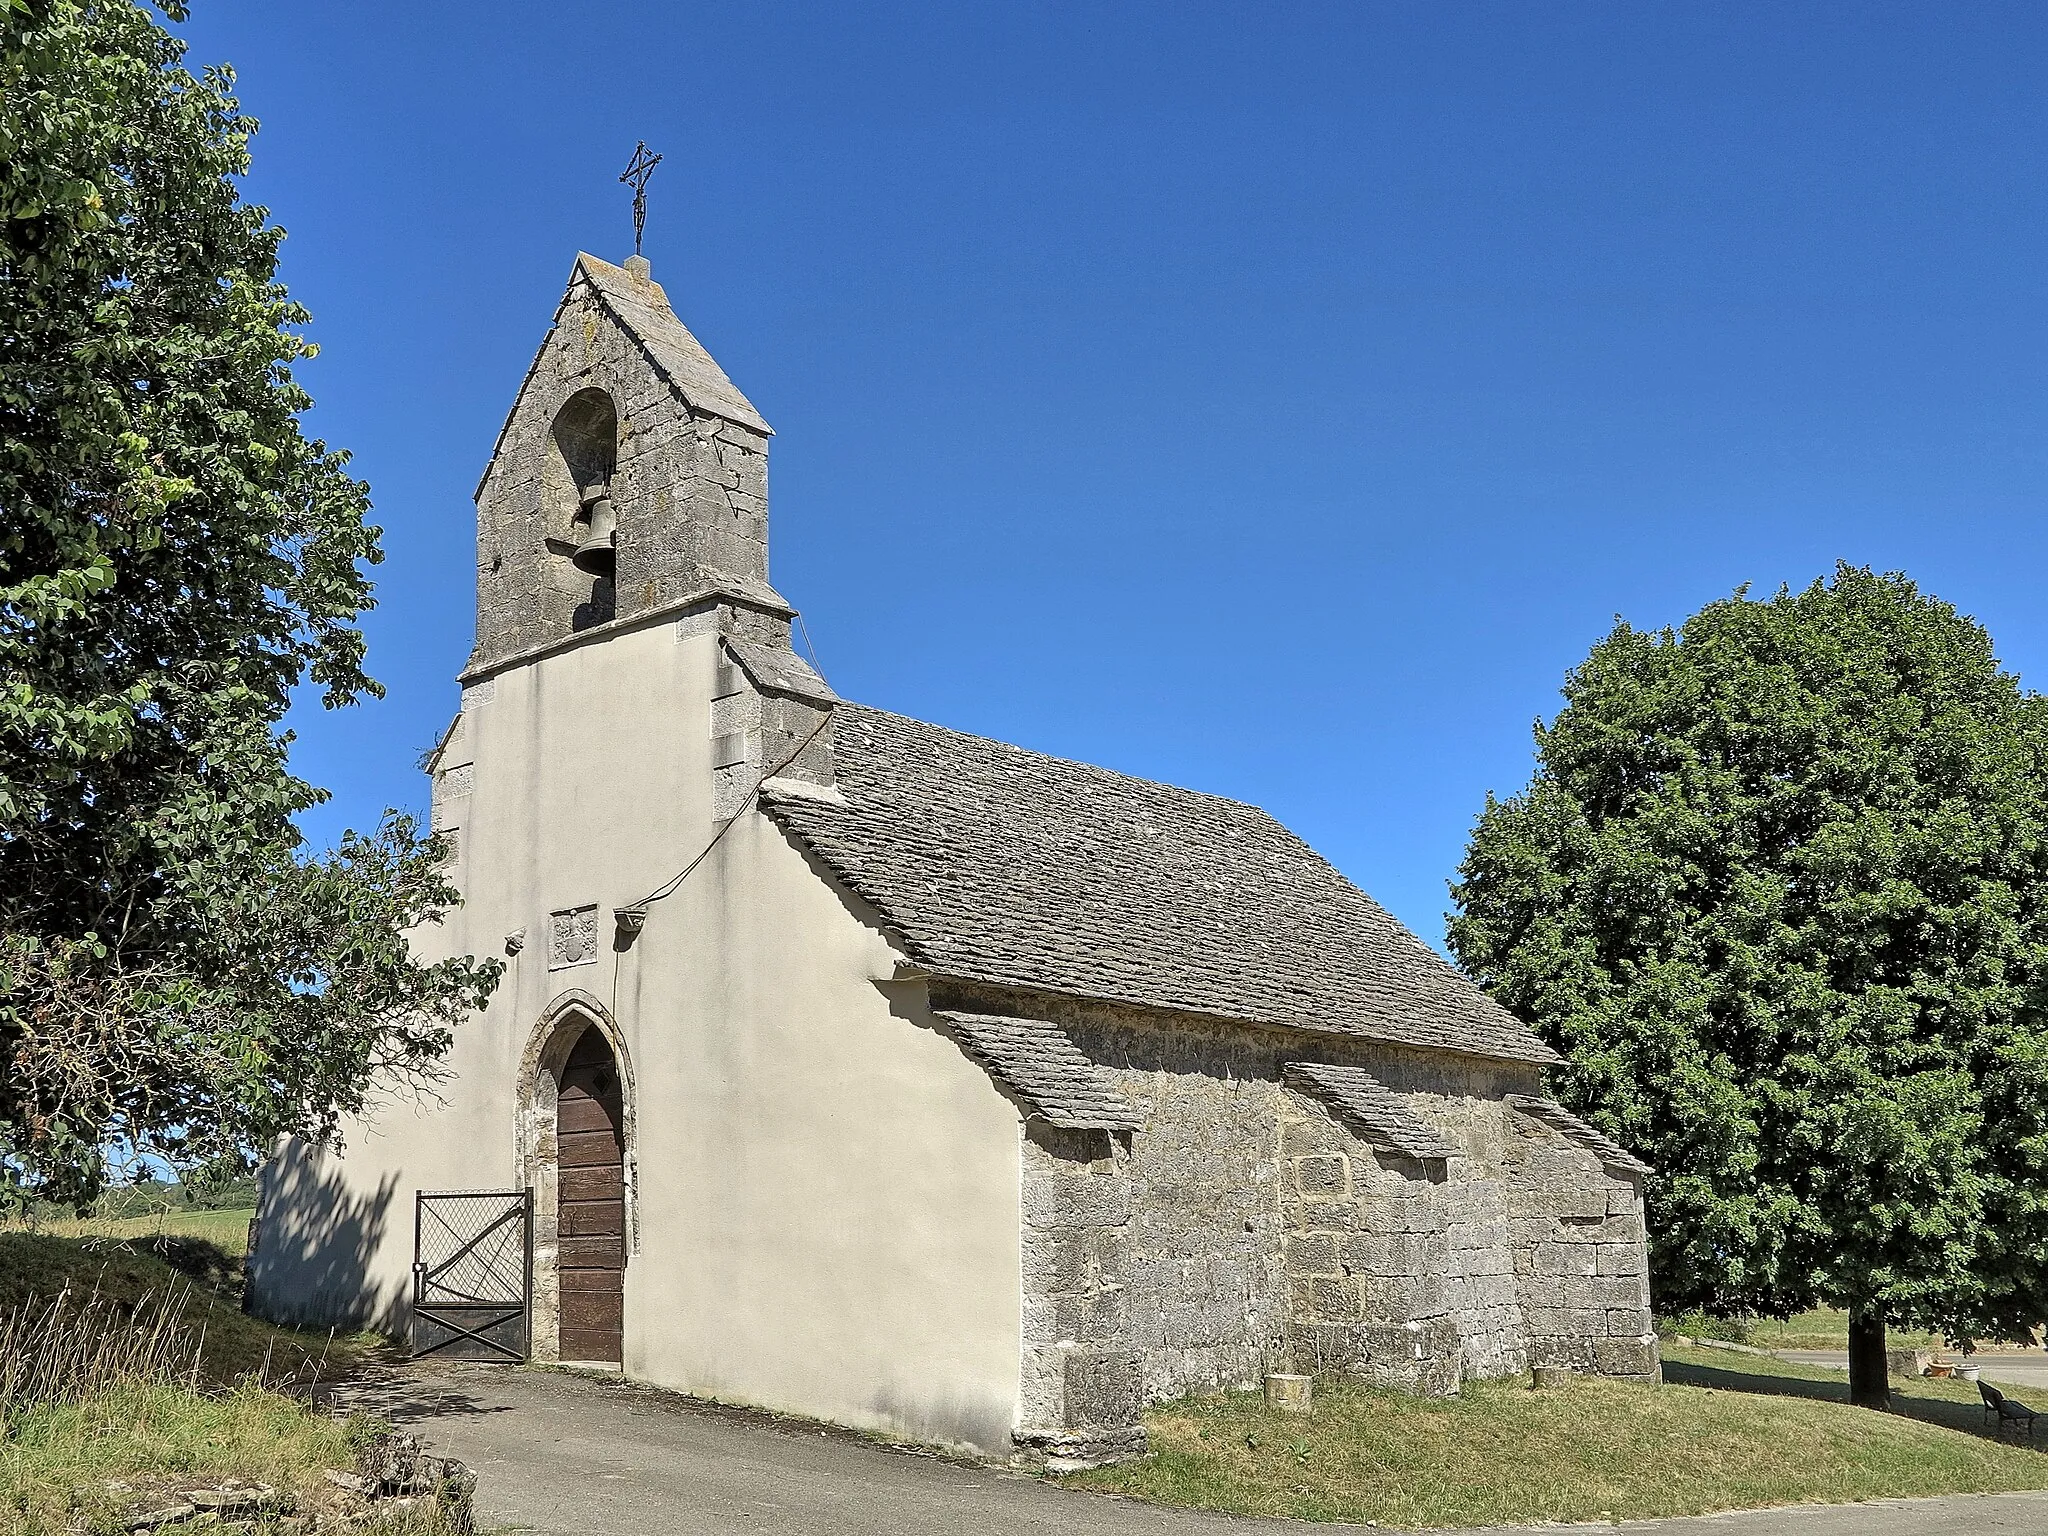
(570, 1456)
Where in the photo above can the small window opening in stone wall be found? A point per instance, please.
(583, 527)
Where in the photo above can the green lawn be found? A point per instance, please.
(1825, 1329)
(1724, 1432)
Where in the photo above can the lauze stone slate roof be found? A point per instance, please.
(1038, 1063)
(1549, 1112)
(1368, 1108)
(1004, 866)
(775, 670)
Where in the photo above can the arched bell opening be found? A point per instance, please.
(583, 527)
(576, 1152)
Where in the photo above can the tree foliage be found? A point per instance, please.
(1777, 891)
(176, 556)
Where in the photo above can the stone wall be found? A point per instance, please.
(755, 730)
(1368, 1257)
(1080, 1387)
(1581, 1261)
(1245, 1228)
(690, 491)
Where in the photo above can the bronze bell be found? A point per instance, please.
(597, 554)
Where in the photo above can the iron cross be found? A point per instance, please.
(636, 177)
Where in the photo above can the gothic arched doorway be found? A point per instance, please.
(590, 1208)
(576, 1154)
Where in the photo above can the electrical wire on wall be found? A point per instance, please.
(663, 892)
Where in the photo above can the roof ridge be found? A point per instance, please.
(1072, 762)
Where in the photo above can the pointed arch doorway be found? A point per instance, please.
(590, 1210)
(576, 1133)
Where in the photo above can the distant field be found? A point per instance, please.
(1826, 1329)
(227, 1230)
(1821, 1329)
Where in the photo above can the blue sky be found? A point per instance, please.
(1275, 399)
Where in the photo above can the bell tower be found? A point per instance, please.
(631, 476)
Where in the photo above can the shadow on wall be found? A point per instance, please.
(315, 1240)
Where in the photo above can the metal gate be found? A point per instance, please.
(472, 1274)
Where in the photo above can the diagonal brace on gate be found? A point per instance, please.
(473, 1273)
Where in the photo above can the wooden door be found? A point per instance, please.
(591, 1262)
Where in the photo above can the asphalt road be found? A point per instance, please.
(570, 1456)
(2014, 1368)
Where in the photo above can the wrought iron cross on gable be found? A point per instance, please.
(636, 177)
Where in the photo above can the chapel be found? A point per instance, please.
(855, 1067)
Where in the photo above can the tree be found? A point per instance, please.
(177, 977)
(1776, 891)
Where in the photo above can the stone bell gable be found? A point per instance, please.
(624, 426)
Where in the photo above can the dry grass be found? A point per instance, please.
(36, 1267)
(124, 1381)
(1724, 1432)
(89, 1466)
(226, 1230)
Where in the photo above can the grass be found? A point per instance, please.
(226, 1230)
(1724, 1432)
(147, 1380)
(1824, 1328)
(87, 1466)
(37, 1266)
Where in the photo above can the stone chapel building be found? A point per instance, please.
(872, 1071)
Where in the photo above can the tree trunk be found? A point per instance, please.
(1869, 1371)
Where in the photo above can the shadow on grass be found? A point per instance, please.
(1946, 1412)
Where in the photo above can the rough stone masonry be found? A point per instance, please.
(1400, 1218)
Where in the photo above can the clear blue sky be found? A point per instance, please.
(1275, 399)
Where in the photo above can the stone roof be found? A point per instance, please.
(1553, 1114)
(1038, 1063)
(643, 309)
(1003, 866)
(777, 669)
(1364, 1104)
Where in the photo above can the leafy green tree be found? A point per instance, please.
(1776, 890)
(177, 977)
